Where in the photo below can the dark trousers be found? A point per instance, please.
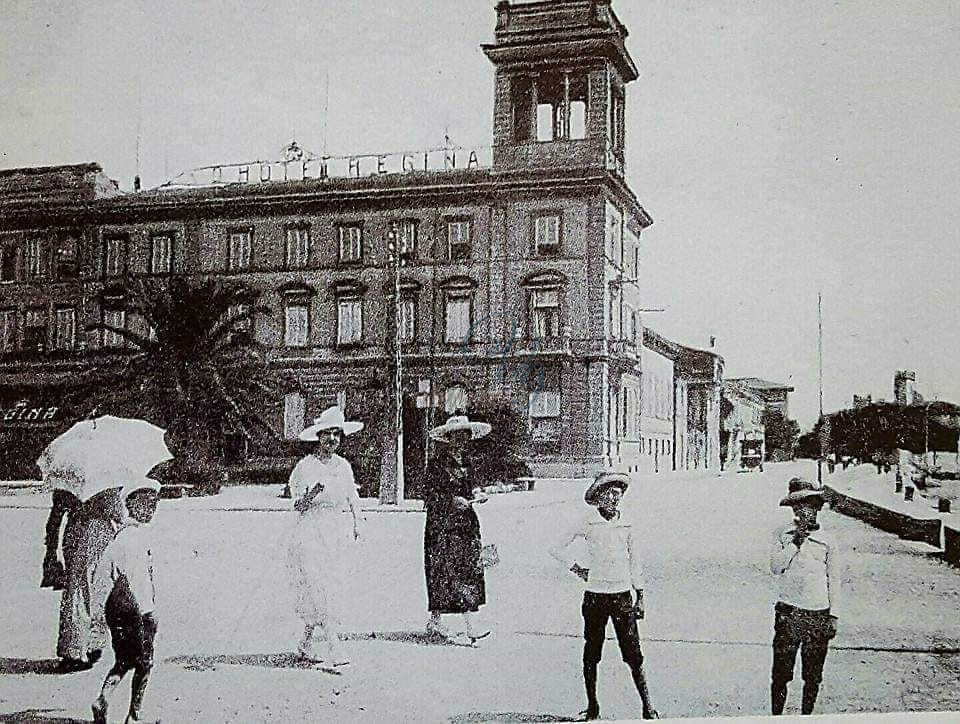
(597, 609)
(809, 632)
(133, 637)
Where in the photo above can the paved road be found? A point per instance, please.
(227, 618)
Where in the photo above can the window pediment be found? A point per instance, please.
(458, 282)
(548, 278)
(296, 289)
(348, 287)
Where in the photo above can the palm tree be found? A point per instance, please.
(191, 368)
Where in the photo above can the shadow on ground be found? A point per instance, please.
(420, 638)
(475, 717)
(205, 662)
(29, 666)
(39, 716)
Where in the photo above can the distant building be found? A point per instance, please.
(861, 401)
(773, 394)
(741, 419)
(904, 387)
(697, 377)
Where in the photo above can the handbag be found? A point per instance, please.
(489, 555)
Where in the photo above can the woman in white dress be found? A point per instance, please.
(323, 540)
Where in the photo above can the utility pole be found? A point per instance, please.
(820, 383)
(391, 469)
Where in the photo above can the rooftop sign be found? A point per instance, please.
(298, 165)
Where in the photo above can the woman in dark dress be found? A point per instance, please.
(451, 540)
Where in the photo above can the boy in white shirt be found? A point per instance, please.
(804, 560)
(614, 586)
(123, 593)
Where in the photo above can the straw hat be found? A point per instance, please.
(604, 481)
(460, 422)
(332, 417)
(802, 491)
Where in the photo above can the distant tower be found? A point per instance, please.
(903, 387)
(561, 75)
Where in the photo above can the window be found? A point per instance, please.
(349, 321)
(35, 330)
(116, 319)
(294, 409)
(161, 253)
(351, 243)
(545, 313)
(456, 317)
(35, 260)
(240, 249)
(8, 262)
(554, 103)
(547, 234)
(408, 320)
(115, 257)
(455, 400)
(298, 247)
(636, 263)
(296, 325)
(65, 332)
(242, 329)
(409, 231)
(614, 234)
(544, 412)
(458, 240)
(8, 330)
(67, 258)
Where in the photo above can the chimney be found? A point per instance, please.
(136, 183)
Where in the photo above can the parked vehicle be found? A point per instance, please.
(751, 455)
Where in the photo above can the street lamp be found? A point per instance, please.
(392, 479)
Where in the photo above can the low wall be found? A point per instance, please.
(924, 530)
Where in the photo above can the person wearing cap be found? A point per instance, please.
(123, 595)
(451, 535)
(804, 560)
(614, 585)
(321, 545)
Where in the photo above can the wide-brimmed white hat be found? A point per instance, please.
(143, 484)
(332, 417)
(614, 479)
(460, 422)
(803, 491)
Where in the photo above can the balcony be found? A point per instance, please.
(622, 348)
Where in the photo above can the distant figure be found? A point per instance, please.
(614, 586)
(65, 505)
(804, 559)
(81, 641)
(123, 595)
(451, 536)
(322, 542)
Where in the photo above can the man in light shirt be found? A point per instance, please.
(614, 585)
(804, 560)
(123, 593)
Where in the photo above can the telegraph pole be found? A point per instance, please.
(820, 383)
(391, 470)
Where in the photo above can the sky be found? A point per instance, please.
(782, 149)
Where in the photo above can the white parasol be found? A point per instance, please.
(103, 453)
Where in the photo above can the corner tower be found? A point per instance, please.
(560, 86)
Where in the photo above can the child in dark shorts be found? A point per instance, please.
(123, 593)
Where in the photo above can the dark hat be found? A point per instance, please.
(802, 491)
(604, 481)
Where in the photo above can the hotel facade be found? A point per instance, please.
(526, 251)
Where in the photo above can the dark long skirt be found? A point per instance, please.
(454, 573)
